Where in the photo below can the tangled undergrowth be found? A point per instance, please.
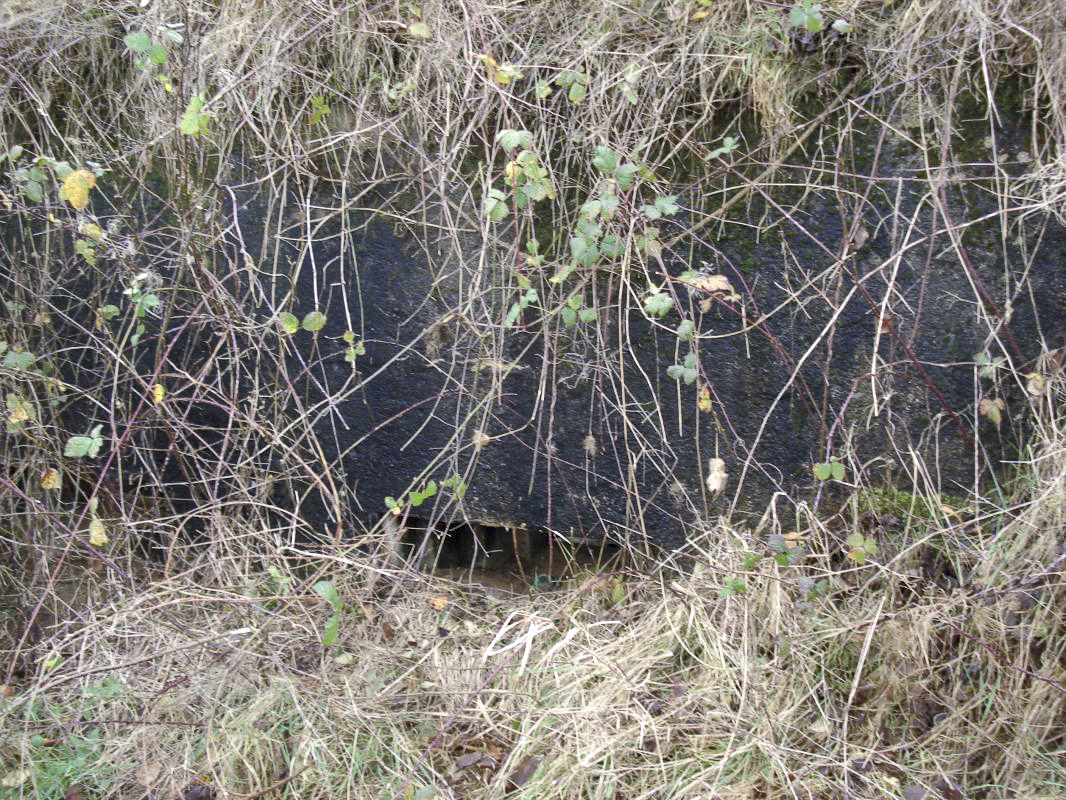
(935, 670)
(916, 649)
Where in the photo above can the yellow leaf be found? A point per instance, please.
(618, 591)
(15, 778)
(91, 230)
(50, 479)
(158, 393)
(703, 399)
(75, 188)
(440, 602)
(97, 533)
(1035, 384)
(699, 15)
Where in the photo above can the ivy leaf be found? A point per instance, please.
(314, 321)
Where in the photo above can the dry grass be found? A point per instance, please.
(901, 677)
(938, 665)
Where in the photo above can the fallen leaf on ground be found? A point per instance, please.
(523, 772)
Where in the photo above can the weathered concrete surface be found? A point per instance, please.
(585, 432)
(580, 429)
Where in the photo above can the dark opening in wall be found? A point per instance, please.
(516, 557)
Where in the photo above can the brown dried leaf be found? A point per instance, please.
(476, 759)
(717, 477)
(992, 409)
(1035, 384)
(525, 770)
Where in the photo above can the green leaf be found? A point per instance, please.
(729, 144)
(625, 175)
(658, 304)
(676, 371)
(328, 592)
(510, 139)
(686, 330)
(84, 446)
(34, 191)
(612, 247)
(19, 359)
(138, 41)
(495, 205)
(314, 321)
(577, 92)
(821, 471)
(569, 316)
(157, 54)
(842, 26)
(542, 89)
(587, 315)
(667, 205)
(419, 30)
(194, 122)
(836, 471)
(331, 631)
(606, 160)
(855, 540)
(651, 212)
(584, 251)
